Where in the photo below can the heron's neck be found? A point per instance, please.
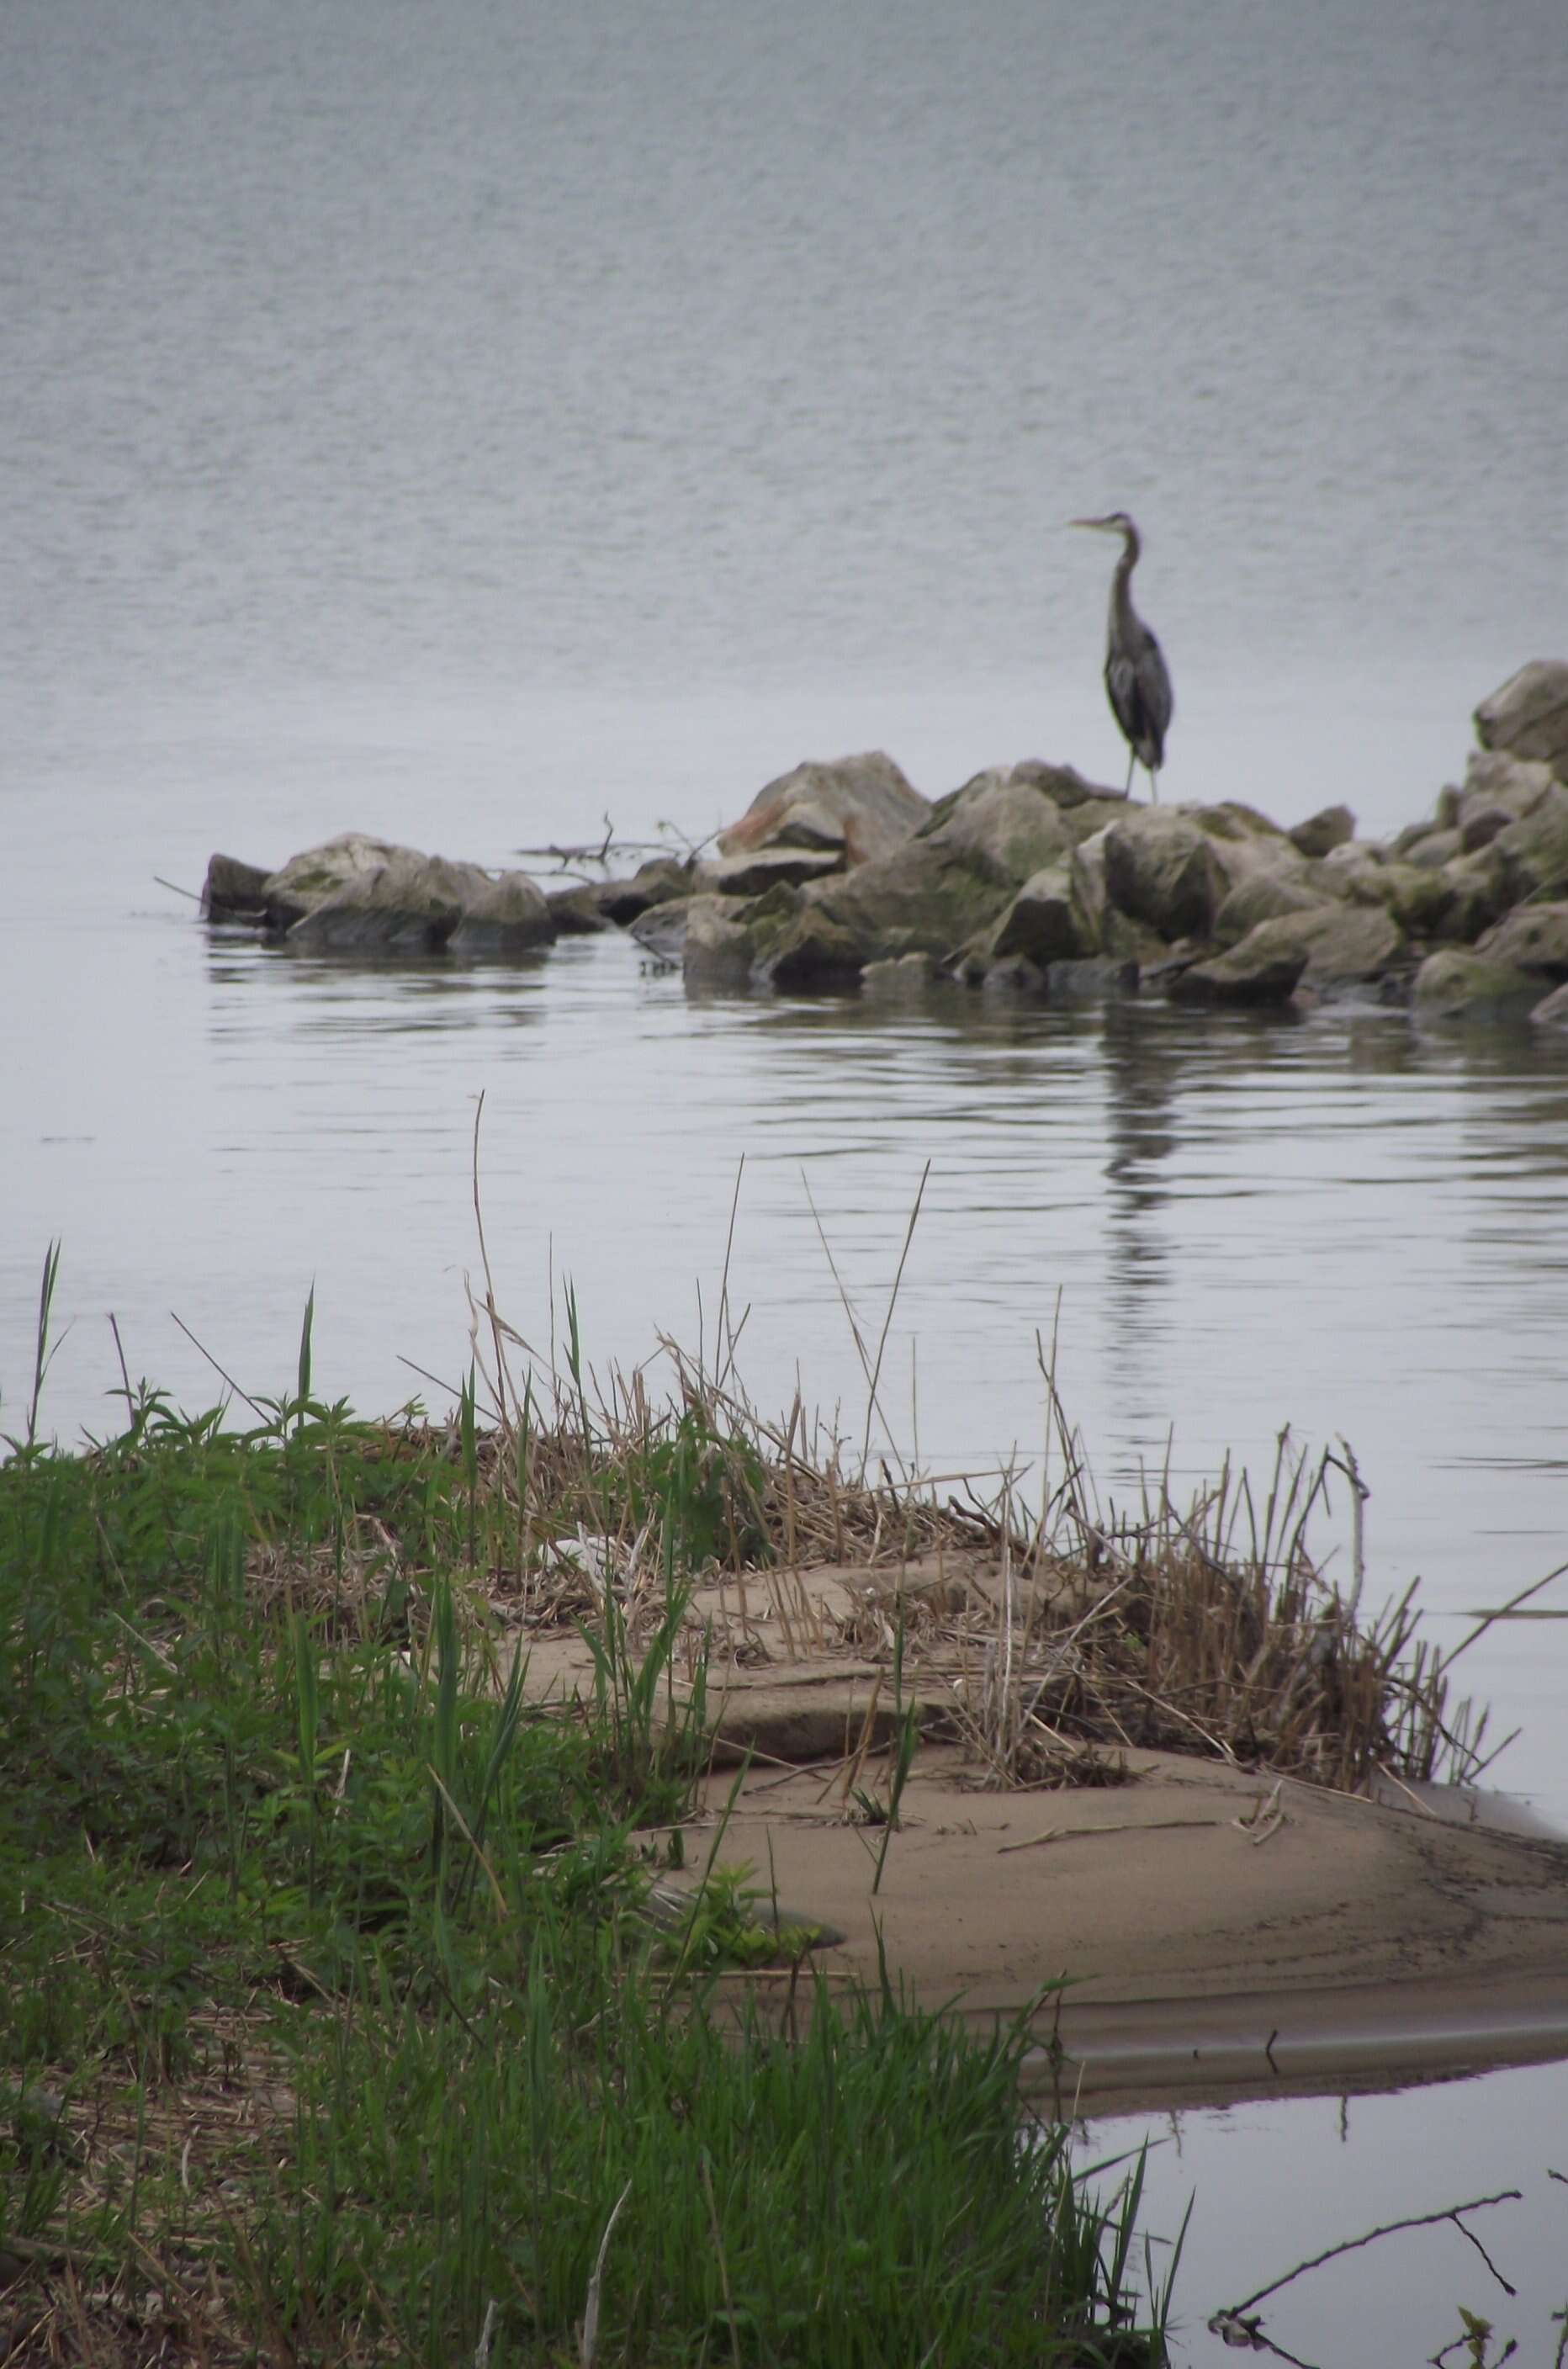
(1121, 594)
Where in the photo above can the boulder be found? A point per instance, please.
(1348, 948)
(1530, 938)
(1349, 871)
(1262, 970)
(854, 809)
(947, 883)
(1495, 778)
(309, 879)
(1160, 869)
(1082, 807)
(716, 946)
(1420, 899)
(1481, 825)
(576, 912)
(503, 914)
(661, 931)
(1455, 984)
(1435, 848)
(1532, 852)
(1330, 827)
(1529, 715)
(810, 953)
(1045, 922)
(1329, 949)
(1478, 894)
(233, 892)
(1263, 896)
(360, 895)
(1003, 822)
(656, 882)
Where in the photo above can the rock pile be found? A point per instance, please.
(1032, 880)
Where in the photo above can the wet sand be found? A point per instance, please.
(1202, 1930)
(1210, 1947)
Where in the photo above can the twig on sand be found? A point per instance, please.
(1123, 1826)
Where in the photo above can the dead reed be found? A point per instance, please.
(1055, 1640)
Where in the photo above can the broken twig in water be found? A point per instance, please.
(1388, 2229)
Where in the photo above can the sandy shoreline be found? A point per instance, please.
(1354, 1945)
(1221, 1930)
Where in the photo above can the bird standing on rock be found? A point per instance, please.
(1136, 681)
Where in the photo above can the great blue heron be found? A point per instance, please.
(1135, 678)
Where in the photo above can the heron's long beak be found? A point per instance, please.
(1097, 526)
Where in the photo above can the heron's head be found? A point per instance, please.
(1114, 523)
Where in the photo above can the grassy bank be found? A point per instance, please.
(334, 2026)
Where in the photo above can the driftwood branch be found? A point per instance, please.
(1350, 2244)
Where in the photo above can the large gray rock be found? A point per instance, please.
(233, 892)
(1329, 949)
(1477, 893)
(1162, 869)
(937, 892)
(1003, 822)
(661, 929)
(1044, 922)
(1262, 970)
(1530, 938)
(1529, 715)
(1263, 896)
(356, 893)
(657, 882)
(806, 952)
(716, 946)
(1532, 853)
(1420, 897)
(1435, 847)
(855, 809)
(1330, 827)
(1497, 778)
(1456, 984)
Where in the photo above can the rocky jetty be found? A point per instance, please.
(1031, 880)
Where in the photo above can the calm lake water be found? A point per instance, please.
(467, 426)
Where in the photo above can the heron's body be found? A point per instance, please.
(1138, 681)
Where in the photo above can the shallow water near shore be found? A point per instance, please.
(1323, 2171)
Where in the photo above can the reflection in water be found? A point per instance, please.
(1274, 2183)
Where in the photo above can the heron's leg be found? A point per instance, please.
(1130, 764)
(1154, 783)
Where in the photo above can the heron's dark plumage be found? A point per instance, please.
(1137, 680)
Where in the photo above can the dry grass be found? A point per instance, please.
(1063, 1638)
